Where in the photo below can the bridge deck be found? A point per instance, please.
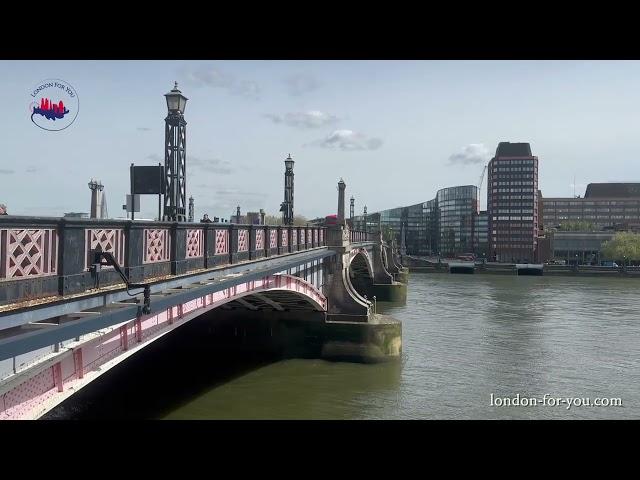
(26, 329)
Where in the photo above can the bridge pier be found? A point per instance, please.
(385, 287)
(380, 339)
(353, 330)
(292, 335)
(400, 273)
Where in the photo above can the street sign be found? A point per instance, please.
(147, 180)
(129, 207)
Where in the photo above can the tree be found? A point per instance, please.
(577, 226)
(273, 219)
(622, 245)
(298, 220)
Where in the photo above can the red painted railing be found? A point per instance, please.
(34, 247)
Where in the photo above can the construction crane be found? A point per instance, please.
(480, 182)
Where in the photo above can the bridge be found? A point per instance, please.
(66, 317)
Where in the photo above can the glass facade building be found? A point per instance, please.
(448, 220)
(419, 222)
(457, 208)
(481, 245)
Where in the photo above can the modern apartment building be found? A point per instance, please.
(512, 203)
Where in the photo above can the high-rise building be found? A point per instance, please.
(512, 203)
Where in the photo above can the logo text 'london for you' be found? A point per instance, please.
(55, 104)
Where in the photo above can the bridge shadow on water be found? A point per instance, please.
(161, 377)
(194, 372)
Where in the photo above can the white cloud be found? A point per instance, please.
(213, 165)
(301, 83)
(309, 119)
(471, 154)
(216, 78)
(348, 140)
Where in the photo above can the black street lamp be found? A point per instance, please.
(175, 160)
(176, 101)
(286, 207)
(365, 220)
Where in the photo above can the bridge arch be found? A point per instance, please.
(361, 273)
(278, 292)
(43, 386)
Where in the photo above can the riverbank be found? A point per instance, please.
(527, 269)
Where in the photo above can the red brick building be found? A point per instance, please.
(512, 204)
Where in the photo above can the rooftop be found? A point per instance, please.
(613, 190)
(508, 149)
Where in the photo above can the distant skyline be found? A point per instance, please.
(396, 131)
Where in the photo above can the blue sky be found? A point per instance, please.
(396, 131)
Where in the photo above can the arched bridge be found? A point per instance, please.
(64, 320)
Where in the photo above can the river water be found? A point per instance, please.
(465, 337)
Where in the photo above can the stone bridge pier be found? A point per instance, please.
(394, 263)
(357, 278)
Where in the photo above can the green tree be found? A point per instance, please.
(577, 226)
(623, 244)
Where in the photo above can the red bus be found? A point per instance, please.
(331, 220)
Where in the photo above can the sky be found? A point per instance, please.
(395, 131)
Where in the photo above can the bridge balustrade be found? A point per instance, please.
(47, 257)
(359, 236)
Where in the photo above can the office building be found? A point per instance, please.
(445, 225)
(605, 206)
(512, 206)
(457, 208)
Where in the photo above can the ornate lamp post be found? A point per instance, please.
(96, 188)
(351, 208)
(175, 160)
(365, 219)
(286, 207)
(191, 209)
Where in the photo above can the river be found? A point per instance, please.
(468, 340)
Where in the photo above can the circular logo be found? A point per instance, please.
(54, 104)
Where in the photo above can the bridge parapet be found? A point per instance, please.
(46, 257)
(360, 236)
